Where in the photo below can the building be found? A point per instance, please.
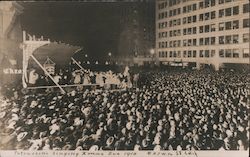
(204, 32)
(137, 35)
(10, 39)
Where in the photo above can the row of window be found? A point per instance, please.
(175, 22)
(207, 28)
(227, 53)
(188, 31)
(206, 16)
(229, 11)
(187, 54)
(174, 12)
(228, 39)
(229, 25)
(189, 8)
(206, 4)
(232, 53)
(189, 19)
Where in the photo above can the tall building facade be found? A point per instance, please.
(213, 32)
(137, 35)
(10, 39)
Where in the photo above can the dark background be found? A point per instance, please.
(95, 26)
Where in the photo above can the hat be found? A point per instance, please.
(137, 147)
(110, 140)
(144, 143)
(157, 148)
(2, 114)
(21, 136)
(94, 148)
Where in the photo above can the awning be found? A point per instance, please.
(59, 53)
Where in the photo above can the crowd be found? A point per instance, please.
(77, 76)
(194, 110)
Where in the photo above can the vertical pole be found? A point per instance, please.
(46, 72)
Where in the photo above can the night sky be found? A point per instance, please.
(94, 26)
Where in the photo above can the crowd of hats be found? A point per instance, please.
(169, 111)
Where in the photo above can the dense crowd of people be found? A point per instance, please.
(171, 110)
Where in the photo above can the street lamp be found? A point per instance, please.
(152, 52)
(109, 54)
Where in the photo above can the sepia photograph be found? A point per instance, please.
(124, 78)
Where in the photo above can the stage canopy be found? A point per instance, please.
(59, 53)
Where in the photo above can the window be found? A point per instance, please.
(246, 23)
(207, 28)
(221, 53)
(201, 29)
(171, 44)
(206, 3)
(221, 1)
(213, 15)
(166, 14)
(170, 33)
(178, 11)
(206, 53)
(212, 53)
(201, 53)
(221, 39)
(212, 2)
(201, 41)
(194, 53)
(246, 8)
(171, 54)
(189, 19)
(201, 5)
(246, 37)
(228, 1)
(213, 29)
(236, 10)
(206, 16)
(235, 39)
(166, 53)
(194, 30)
(184, 54)
(235, 53)
(184, 9)
(184, 31)
(212, 40)
(228, 39)
(206, 41)
(201, 17)
(228, 11)
(246, 53)
(228, 53)
(189, 42)
(221, 13)
(194, 7)
(228, 25)
(194, 42)
(221, 26)
(236, 24)
(184, 20)
(185, 42)
(189, 54)
(189, 30)
(175, 54)
(194, 18)
(179, 54)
